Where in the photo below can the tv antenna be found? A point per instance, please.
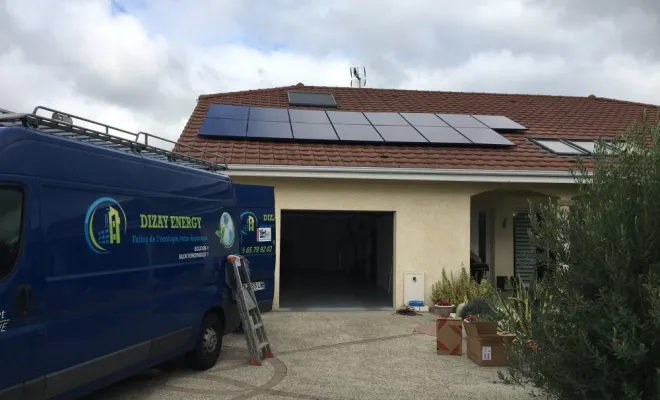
(358, 76)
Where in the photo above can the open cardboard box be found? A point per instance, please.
(485, 345)
(480, 328)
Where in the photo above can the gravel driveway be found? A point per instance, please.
(327, 355)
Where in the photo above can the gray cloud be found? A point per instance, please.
(390, 36)
(146, 67)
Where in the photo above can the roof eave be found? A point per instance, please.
(401, 174)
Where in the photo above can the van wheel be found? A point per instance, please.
(208, 345)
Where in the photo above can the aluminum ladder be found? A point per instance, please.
(253, 324)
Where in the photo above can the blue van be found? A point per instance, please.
(112, 256)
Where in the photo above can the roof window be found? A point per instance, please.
(564, 147)
(312, 99)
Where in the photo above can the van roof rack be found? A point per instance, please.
(62, 124)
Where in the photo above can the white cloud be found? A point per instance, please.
(488, 72)
(144, 69)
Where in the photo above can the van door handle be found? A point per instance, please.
(24, 299)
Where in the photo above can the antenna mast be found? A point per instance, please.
(358, 76)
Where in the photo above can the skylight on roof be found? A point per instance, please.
(626, 146)
(590, 145)
(312, 99)
(559, 147)
(563, 147)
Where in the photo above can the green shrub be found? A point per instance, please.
(461, 289)
(597, 337)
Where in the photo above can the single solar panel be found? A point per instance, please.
(348, 118)
(305, 131)
(461, 121)
(500, 122)
(421, 119)
(269, 114)
(485, 136)
(309, 116)
(223, 127)
(400, 134)
(361, 133)
(227, 111)
(442, 135)
(312, 99)
(383, 118)
(269, 130)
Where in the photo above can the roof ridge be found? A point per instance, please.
(557, 96)
(225, 94)
(536, 95)
(635, 103)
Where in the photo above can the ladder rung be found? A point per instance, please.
(257, 326)
(262, 345)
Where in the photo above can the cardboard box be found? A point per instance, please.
(485, 345)
(489, 350)
(449, 336)
(480, 328)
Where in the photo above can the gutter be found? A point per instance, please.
(400, 174)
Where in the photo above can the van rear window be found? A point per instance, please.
(11, 217)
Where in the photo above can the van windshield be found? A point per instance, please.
(11, 213)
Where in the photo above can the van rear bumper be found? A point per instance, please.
(265, 306)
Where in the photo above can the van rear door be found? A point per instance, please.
(21, 333)
(256, 206)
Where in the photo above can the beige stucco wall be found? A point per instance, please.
(431, 220)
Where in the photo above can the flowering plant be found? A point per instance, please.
(533, 345)
(444, 303)
(471, 318)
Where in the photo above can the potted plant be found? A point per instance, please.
(459, 290)
(442, 308)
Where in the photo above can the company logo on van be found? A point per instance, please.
(105, 224)
(226, 231)
(248, 222)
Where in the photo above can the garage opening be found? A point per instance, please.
(336, 260)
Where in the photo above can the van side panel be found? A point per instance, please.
(132, 255)
(256, 205)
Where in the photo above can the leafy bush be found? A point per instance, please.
(597, 336)
(520, 312)
(459, 290)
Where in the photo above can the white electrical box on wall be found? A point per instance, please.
(414, 288)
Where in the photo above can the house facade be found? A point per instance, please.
(371, 221)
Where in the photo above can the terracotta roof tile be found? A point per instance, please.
(545, 116)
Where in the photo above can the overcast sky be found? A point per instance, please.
(140, 64)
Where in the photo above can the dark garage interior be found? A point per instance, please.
(336, 260)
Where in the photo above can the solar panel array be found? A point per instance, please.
(230, 121)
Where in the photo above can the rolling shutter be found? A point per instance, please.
(524, 254)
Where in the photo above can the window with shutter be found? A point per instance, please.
(524, 254)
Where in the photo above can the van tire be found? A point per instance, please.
(207, 345)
